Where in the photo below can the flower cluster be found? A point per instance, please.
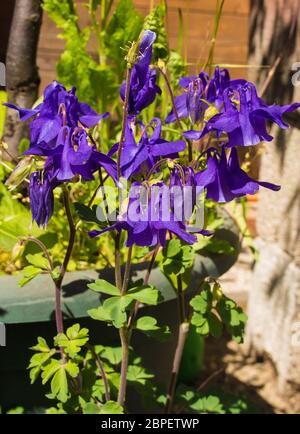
(223, 114)
(58, 132)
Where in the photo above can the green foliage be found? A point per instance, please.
(213, 312)
(29, 273)
(38, 264)
(114, 308)
(216, 401)
(38, 260)
(111, 407)
(155, 22)
(73, 340)
(148, 325)
(15, 220)
(124, 27)
(197, 403)
(214, 245)
(177, 259)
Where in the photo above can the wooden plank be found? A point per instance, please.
(230, 6)
(231, 45)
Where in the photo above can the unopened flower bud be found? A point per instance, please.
(196, 107)
(217, 292)
(18, 250)
(20, 173)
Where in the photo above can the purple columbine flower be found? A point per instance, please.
(148, 218)
(224, 179)
(141, 156)
(41, 197)
(59, 108)
(76, 155)
(201, 87)
(143, 87)
(244, 117)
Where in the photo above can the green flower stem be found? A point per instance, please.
(124, 335)
(43, 249)
(182, 335)
(184, 326)
(127, 271)
(59, 281)
(102, 371)
(124, 120)
(167, 81)
(118, 277)
(181, 300)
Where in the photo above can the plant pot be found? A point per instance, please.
(28, 312)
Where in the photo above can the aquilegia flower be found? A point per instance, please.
(243, 117)
(143, 87)
(75, 155)
(224, 179)
(140, 157)
(57, 132)
(59, 108)
(41, 197)
(148, 217)
(199, 88)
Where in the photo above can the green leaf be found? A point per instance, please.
(50, 369)
(37, 363)
(41, 346)
(87, 214)
(203, 302)
(115, 309)
(90, 408)
(29, 273)
(73, 340)
(155, 21)
(208, 404)
(15, 221)
(38, 260)
(59, 385)
(214, 245)
(99, 314)
(72, 369)
(125, 25)
(101, 285)
(112, 354)
(148, 325)
(111, 407)
(201, 323)
(215, 325)
(144, 294)
(173, 248)
(138, 374)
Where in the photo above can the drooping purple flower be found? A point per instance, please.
(41, 197)
(143, 87)
(244, 117)
(197, 88)
(148, 217)
(59, 108)
(141, 156)
(76, 155)
(224, 179)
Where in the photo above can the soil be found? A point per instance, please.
(228, 369)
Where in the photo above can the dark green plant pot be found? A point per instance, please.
(28, 312)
